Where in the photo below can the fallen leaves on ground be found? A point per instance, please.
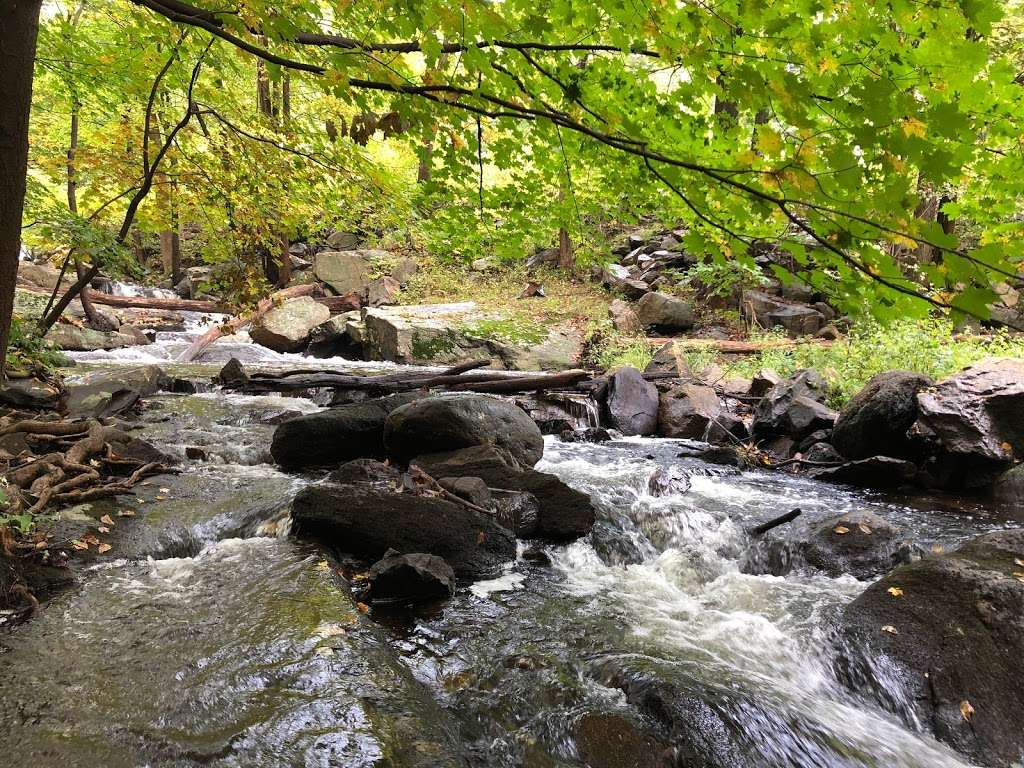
(107, 520)
(841, 530)
(864, 529)
(895, 591)
(104, 548)
(890, 629)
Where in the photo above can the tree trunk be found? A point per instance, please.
(284, 274)
(19, 26)
(93, 318)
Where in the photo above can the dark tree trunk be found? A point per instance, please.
(19, 26)
(91, 315)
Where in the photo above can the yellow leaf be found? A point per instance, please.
(363, 607)
(895, 591)
(104, 548)
(966, 710)
(106, 520)
(864, 529)
(840, 529)
(79, 545)
(1007, 449)
(323, 565)
(768, 141)
(126, 513)
(914, 127)
(890, 629)
(1018, 561)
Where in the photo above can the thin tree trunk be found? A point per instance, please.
(19, 27)
(284, 274)
(91, 315)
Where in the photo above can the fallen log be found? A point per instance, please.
(758, 530)
(513, 384)
(740, 347)
(240, 321)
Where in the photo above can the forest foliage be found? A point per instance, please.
(817, 127)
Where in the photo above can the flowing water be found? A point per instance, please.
(214, 639)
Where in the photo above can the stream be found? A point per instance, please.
(215, 639)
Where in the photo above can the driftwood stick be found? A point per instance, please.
(757, 530)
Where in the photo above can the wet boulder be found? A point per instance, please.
(946, 635)
(973, 421)
(471, 489)
(859, 544)
(588, 435)
(287, 328)
(72, 338)
(412, 578)
(367, 521)
(631, 403)
(518, 511)
(335, 435)
(365, 471)
(564, 513)
(823, 453)
(1009, 489)
(874, 472)
(612, 740)
(687, 411)
(451, 422)
(877, 418)
(668, 481)
(659, 310)
(95, 391)
(794, 408)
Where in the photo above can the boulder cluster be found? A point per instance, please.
(429, 489)
(648, 267)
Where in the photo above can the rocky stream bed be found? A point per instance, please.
(210, 635)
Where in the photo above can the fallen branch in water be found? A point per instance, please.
(789, 517)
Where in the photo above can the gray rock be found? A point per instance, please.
(859, 544)
(450, 422)
(977, 412)
(367, 521)
(29, 393)
(669, 360)
(71, 338)
(518, 511)
(631, 404)
(343, 241)
(365, 471)
(877, 418)
(873, 472)
(668, 481)
(565, 513)
(949, 646)
(823, 453)
(287, 328)
(93, 392)
(659, 310)
(794, 408)
(624, 319)
(382, 291)
(762, 382)
(335, 435)
(798, 320)
(472, 489)
(687, 410)
(346, 271)
(1009, 489)
(410, 578)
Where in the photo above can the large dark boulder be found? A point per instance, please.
(687, 411)
(452, 422)
(1009, 489)
(945, 637)
(335, 435)
(794, 408)
(877, 418)
(973, 422)
(631, 404)
(564, 513)
(410, 578)
(367, 520)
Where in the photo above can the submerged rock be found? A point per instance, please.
(367, 521)
(612, 740)
(1009, 489)
(631, 403)
(94, 392)
(564, 514)
(451, 422)
(947, 635)
(410, 578)
(876, 420)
